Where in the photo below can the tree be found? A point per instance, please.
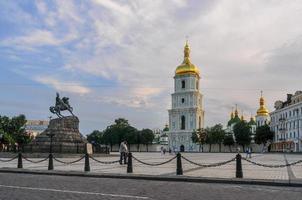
(210, 137)
(147, 137)
(263, 135)
(95, 137)
(118, 132)
(242, 133)
(199, 137)
(13, 130)
(218, 135)
(228, 140)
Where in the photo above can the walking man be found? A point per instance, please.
(123, 152)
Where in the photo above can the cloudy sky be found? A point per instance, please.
(117, 58)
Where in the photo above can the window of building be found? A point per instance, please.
(290, 113)
(183, 122)
(197, 85)
(183, 84)
(182, 100)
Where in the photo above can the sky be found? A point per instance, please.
(118, 58)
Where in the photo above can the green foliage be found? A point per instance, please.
(228, 140)
(13, 131)
(95, 137)
(263, 134)
(147, 136)
(119, 131)
(215, 135)
(199, 137)
(242, 133)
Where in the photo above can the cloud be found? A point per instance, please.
(71, 87)
(241, 47)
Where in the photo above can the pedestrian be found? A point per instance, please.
(250, 152)
(246, 152)
(161, 151)
(170, 152)
(164, 151)
(123, 152)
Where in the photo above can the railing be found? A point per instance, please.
(179, 170)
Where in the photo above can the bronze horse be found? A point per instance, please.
(61, 105)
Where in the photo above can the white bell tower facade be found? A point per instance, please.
(186, 114)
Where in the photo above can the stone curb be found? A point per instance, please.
(157, 177)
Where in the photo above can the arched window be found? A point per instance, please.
(183, 123)
(182, 100)
(197, 85)
(183, 84)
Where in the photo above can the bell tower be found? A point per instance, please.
(186, 114)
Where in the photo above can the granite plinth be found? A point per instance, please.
(66, 137)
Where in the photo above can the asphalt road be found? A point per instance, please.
(31, 187)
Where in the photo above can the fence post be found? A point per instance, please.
(239, 173)
(178, 164)
(129, 163)
(20, 164)
(50, 162)
(87, 165)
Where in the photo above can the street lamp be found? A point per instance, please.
(50, 146)
(50, 161)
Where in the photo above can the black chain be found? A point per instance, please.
(272, 166)
(9, 159)
(104, 162)
(153, 164)
(209, 165)
(69, 163)
(32, 161)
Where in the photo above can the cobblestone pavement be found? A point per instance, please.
(37, 187)
(225, 171)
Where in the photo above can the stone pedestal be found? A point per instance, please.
(66, 137)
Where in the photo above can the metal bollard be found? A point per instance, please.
(50, 162)
(20, 164)
(178, 164)
(129, 164)
(87, 165)
(239, 173)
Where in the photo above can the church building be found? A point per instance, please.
(186, 114)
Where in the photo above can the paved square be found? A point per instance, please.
(225, 171)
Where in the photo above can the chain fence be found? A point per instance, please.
(1, 160)
(104, 162)
(154, 164)
(70, 162)
(209, 165)
(272, 166)
(34, 161)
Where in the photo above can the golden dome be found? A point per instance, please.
(186, 66)
(262, 111)
(236, 111)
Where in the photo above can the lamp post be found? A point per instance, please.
(50, 161)
(50, 146)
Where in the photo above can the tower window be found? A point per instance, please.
(182, 100)
(183, 123)
(183, 84)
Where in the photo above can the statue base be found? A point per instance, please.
(66, 137)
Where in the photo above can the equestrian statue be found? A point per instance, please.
(61, 105)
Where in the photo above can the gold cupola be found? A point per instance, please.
(262, 111)
(186, 66)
